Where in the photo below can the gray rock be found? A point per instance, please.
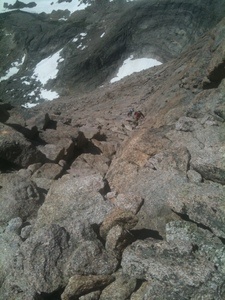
(185, 124)
(91, 296)
(9, 246)
(41, 121)
(125, 219)
(25, 231)
(175, 265)
(140, 293)
(205, 146)
(107, 148)
(169, 264)
(56, 152)
(202, 203)
(154, 160)
(79, 285)
(93, 259)
(71, 199)
(43, 255)
(43, 183)
(116, 241)
(194, 176)
(89, 132)
(120, 289)
(15, 149)
(12, 289)
(19, 197)
(49, 171)
(210, 172)
(14, 225)
(119, 38)
(98, 163)
(128, 201)
(34, 167)
(81, 168)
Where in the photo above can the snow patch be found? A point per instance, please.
(131, 66)
(48, 94)
(26, 82)
(83, 34)
(81, 47)
(29, 105)
(14, 69)
(46, 6)
(46, 69)
(79, 38)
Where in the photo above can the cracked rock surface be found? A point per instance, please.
(94, 206)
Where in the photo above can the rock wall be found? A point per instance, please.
(155, 29)
(95, 205)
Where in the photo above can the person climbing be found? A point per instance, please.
(130, 113)
(134, 116)
(138, 115)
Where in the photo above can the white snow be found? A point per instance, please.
(48, 94)
(44, 94)
(131, 66)
(26, 82)
(47, 68)
(126, 0)
(14, 69)
(31, 93)
(79, 36)
(46, 6)
(29, 105)
(81, 47)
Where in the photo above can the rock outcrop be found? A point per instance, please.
(150, 28)
(96, 206)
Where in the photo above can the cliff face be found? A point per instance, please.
(97, 205)
(92, 43)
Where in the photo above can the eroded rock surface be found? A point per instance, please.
(94, 206)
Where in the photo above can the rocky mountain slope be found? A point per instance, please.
(92, 204)
(89, 45)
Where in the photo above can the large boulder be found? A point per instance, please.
(90, 258)
(90, 162)
(16, 150)
(80, 285)
(120, 289)
(202, 203)
(9, 246)
(19, 197)
(43, 255)
(74, 198)
(172, 267)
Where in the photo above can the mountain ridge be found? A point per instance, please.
(97, 205)
(131, 28)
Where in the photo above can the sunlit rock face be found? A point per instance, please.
(82, 44)
(94, 202)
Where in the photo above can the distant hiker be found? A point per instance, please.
(138, 115)
(130, 113)
(134, 116)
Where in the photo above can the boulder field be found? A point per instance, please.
(96, 206)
